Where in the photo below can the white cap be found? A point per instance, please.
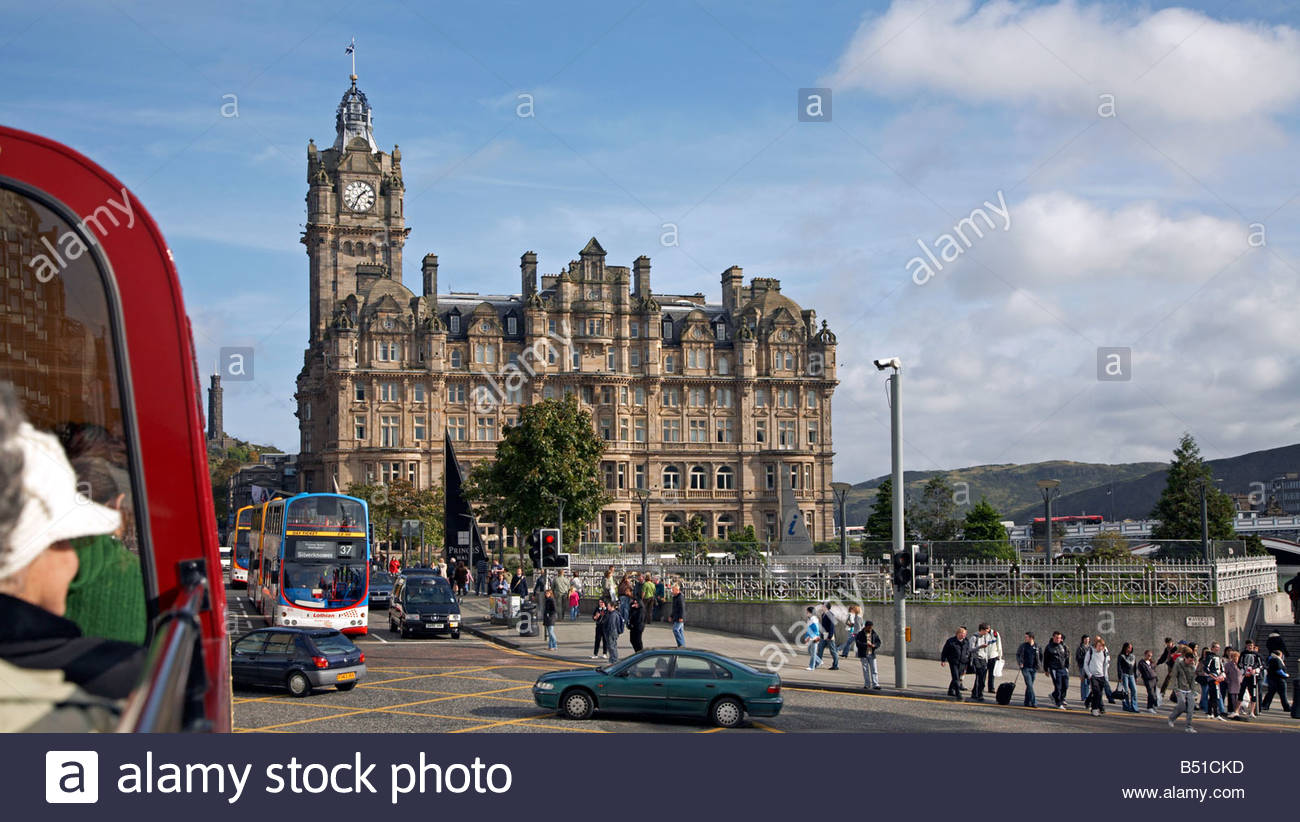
(53, 511)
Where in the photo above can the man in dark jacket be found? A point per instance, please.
(1168, 658)
(613, 626)
(867, 641)
(1056, 661)
(548, 620)
(1027, 658)
(1147, 673)
(828, 638)
(955, 655)
(678, 615)
(635, 623)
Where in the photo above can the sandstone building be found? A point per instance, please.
(710, 405)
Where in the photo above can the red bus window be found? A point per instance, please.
(59, 351)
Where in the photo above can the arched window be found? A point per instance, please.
(726, 478)
(671, 523)
(672, 478)
(725, 525)
(699, 478)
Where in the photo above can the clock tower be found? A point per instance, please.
(355, 224)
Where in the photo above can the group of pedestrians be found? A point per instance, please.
(627, 603)
(861, 637)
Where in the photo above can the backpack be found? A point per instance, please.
(617, 620)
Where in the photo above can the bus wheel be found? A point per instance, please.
(299, 684)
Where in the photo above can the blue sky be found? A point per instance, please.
(1126, 231)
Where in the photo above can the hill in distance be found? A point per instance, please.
(1013, 491)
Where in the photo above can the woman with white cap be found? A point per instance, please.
(38, 563)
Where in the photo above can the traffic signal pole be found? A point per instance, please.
(900, 591)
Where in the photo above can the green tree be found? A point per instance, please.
(692, 531)
(400, 500)
(1110, 546)
(934, 515)
(1179, 506)
(743, 545)
(880, 523)
(985, 535)
(552, 453)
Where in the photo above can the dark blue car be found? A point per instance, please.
(299, 659)
(381, 589)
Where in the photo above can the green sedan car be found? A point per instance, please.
(676, 681)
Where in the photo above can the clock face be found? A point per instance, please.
(358, 196)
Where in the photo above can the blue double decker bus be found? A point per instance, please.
(313, 565)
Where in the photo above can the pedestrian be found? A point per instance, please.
(1126, 665)
(1277, 677)
(574, 601)
(678, 616)
(1292, 589)
(1252, 668)
(982, 649)
(624, 595)
(598, 617)
(548, 620)
(828, 638)
(1168, 658)
(1056, 661)
(480, 574)
(1147, 672)
(394, 566)
(1276, 643)
(995, 661)
(613, 626)
(1184, 681)
(519, 585)
(661, 596)
(1232, 681)
(647, 597)
(852, 624)
(955, 656)
(1084, 681)
(561, 588)
(608, 586)
(461, 576)
(867, 641)
(1215, 676)
(1027, 657)
(812, 635)
(1096, 666)
(635, 624)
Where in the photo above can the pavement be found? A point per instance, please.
(926, 678)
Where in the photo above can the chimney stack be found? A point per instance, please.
(528, 273)
(641, 277)
(429, 268)
(732, 281)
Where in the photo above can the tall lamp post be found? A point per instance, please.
(841, 491)
(1050, 489)
(896, 464)
(643, 494)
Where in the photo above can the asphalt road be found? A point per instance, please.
(470, 685)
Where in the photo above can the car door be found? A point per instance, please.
(273, 667)
(693, 686)
(245, 657)
(640, 686)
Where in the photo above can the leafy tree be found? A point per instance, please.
(880, 523)
(552, 453)
(1253, 545)
(985, 535)
(743, 545)
(399, 500)
(1110, 546)
(934, 515)
(1179, 506)
(692, 531)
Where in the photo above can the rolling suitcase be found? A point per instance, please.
(1005, 690)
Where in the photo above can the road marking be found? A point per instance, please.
(767, 728)
(388, 708)
(504, 722)
(448, 693)
(711, 730)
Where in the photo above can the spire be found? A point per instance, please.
(354, 116)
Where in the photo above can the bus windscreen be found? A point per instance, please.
(319, 512)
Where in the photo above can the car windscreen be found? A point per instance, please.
(421, 592)
(333, 644)
(380, 579)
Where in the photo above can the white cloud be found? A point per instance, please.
(1176, 64)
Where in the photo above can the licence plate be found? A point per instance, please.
(433, 624)
(345, 676)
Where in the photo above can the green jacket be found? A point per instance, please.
(648, 590)
(1184, 676)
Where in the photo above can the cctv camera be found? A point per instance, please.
(892, 362)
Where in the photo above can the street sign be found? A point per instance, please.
(411, 528)
(1200, 622)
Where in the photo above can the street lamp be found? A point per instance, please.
(896, 464)
(841, 491)
(643, 494)
(1050, 489)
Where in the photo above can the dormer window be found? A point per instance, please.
(720, 331)
(453, 322)
(668, 329)
(512, 325)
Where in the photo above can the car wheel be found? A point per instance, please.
(299, 684)
(727, 712)
(577, 704)
(346, 686)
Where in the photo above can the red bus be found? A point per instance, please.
(96, 341)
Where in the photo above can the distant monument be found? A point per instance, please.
(216, 432)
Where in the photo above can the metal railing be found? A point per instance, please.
(1026, 581)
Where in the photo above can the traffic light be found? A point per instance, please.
(902, 569)
(922, 573)
(534, 543)
(552, 555)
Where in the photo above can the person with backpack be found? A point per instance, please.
(1056, 661)
(613, 626)
(1277, 677)
(1096, 666)
(812, 634)
(867, 641)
